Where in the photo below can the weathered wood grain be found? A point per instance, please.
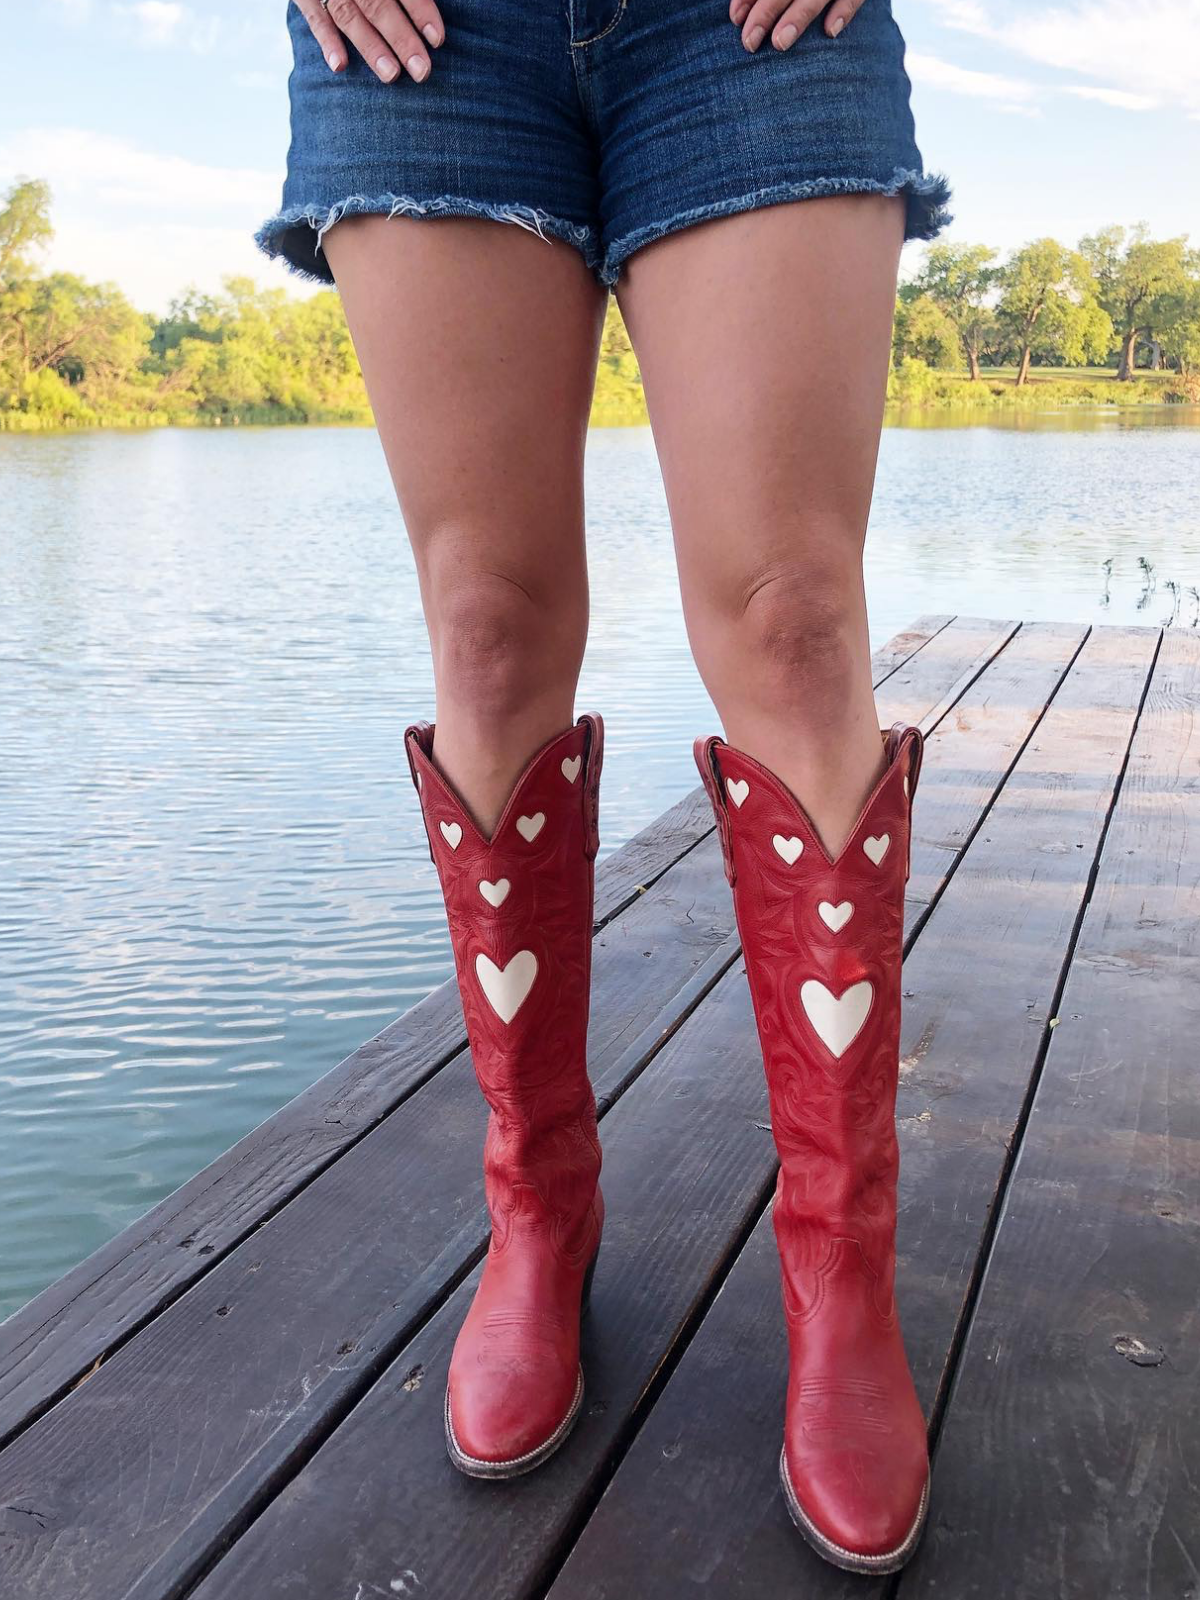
(695, 1507)
(1071, 1451)
(923, 690)
(288, 1328)
(975, 743)
(77, 1321)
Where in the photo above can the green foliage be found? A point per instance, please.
(924, 330)
(912, 383)
(1136, 283)
(958, 280)
(77, 354)
(1048, 305)
(618, 399)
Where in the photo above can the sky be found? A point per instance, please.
(161, 125)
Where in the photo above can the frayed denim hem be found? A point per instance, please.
(926, 195)
(296, 233)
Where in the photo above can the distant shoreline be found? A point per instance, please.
(912, 388)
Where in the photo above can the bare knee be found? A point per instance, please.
(792, 637)
(501, 643)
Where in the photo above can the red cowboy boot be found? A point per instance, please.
(520, 911)
(822, 942)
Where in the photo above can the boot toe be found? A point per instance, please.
(861, 1511)
(509, 1426)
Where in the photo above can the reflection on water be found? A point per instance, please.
(1076, 419)
(213, 882)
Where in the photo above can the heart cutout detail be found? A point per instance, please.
(495, 893)
(836, 917)
(530, 827)
(506, 987)
(452, 833)
(877, 848)
(790, 850)
(737, 791)
(570, 767)
(836, 1022)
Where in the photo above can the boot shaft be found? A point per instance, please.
(822, 941)
(520, 909)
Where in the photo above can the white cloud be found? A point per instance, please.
(149, 221)
(1121, 98)
(1147, 49)
(116, 171)
(1015, 95)
(155, 21)
(154, 262)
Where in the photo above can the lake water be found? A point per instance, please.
(213, 881)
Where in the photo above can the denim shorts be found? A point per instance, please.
(605, 123)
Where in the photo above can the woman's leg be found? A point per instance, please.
(479, 345)
(764, 342)
(764, 346)
(478, 342)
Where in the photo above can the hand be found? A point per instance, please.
(383, 32)
(786, 21)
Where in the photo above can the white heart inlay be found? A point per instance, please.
(452, 833)
(737, 791)
(570, 767)
(837, 1023)
(876, 849)
(790, 849)
(495, 893)
(506, 987)
(530, 827)
(835, 917)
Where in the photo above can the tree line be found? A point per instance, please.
(1118, 299)
(75, 353)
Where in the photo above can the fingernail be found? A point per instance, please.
(333, 61)
(386, 68)
(755, 39)
(786, 36)
(837, 27)
(417, 67)
(431, 33)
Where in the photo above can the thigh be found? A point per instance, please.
(764, 341)
(478, 343)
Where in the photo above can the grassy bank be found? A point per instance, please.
(913, 389)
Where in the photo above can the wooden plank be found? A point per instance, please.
(695, 1507)
(61, 1333)
(1071, 1451)
(925, 687)
(363, 1513)
(324, 1294)
(974, 745)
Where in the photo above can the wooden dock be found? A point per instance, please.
(240, 1397)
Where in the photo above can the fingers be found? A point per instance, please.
(785, 21)
(380, 30)
(428, 19)
(325, 33)
(394, 25)
(839, 16)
